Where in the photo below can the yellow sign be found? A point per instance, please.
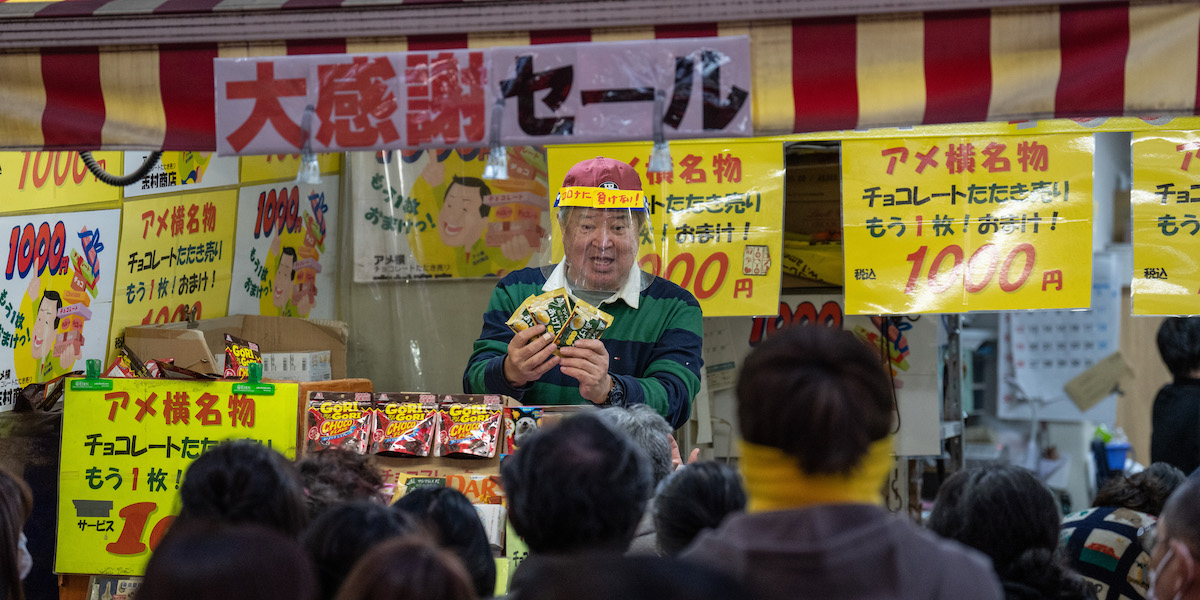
(124, 453)
(41, 181)
(715, 221)
(1166, 181)
(957, 224)
(176, 259)
(279, 167)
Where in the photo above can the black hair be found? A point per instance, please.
(244, 481)
(1145, 491)
(342, 534)
(472, 182)
(290, 251)
(455, 523)
(16, 504)
(335, 475)
(1182, 515)
(649, 430)
(57, 298)
(1005, 512)
(1179, 345)
(820, 395)
(408, 568)
(203, 559)
(606, 576)
(696, 497)
(577, 486)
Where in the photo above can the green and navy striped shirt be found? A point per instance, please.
(654, 349)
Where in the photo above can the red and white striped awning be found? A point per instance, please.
(809, 74)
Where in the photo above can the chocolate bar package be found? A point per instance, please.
(405, 424)
(239, 354)
(552, 309)
(340, 420)
(519, 423)
(586, 323)
(469, 425)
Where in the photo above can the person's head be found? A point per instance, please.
(464, 215)
(600, 244)
(16, 503)
(45, 323)
(281, 289)
(243, 481)
(649, 430)
(1174, 571)
(819, 395)
(696, 497)
(607, 576)
(457, 527)
(408, 568)
(203, 559)
(1005, 512)
(342, 534)
(577, 486)
(336, 475)
(1145, 491)
(1179, 345)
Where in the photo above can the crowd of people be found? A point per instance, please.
(609, 509)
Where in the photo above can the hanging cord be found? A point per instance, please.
(113, 180)
(885, 348)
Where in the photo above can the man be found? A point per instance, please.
(1175, 435)
(45, 324)
(281, 288)
(650, 432)
(462, 223)
(651, 352)
(815, 411)
(1174, 572)
(464, 215)
(577, 487)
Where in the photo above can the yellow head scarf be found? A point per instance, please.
(775, 482)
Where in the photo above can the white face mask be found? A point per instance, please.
(24, 560)
(1158, 569)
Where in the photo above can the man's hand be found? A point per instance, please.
(587, 361)
(530, 355)
(676, 458)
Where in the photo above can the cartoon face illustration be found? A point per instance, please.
(41, 335)
(464, 215)
(281, 289)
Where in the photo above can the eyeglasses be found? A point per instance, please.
(1148, 536)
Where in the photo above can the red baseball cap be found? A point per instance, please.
(603, 172)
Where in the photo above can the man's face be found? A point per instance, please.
(42, 334)
(461, 223)
(601, 245)
(282, 289)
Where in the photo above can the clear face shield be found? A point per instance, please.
(603, 232)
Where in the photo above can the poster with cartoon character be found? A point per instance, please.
(430, 213)
(56, 296)
(286, 250)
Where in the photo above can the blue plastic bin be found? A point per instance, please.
(1116, 455)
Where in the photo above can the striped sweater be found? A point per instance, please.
(654, 349)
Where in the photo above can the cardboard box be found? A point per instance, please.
(297, 366)
(195, 345)
(813, 191)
